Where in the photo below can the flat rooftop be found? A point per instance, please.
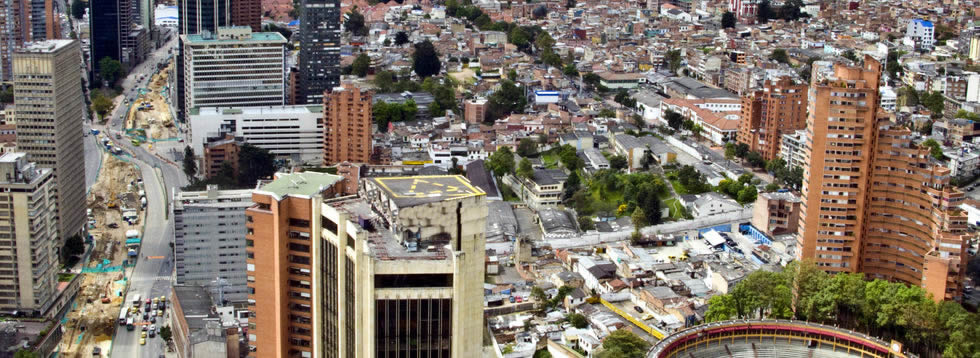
(45, 46)
(195, 303)
(305, 184)
(255, 37)
(382, 243)
(417, 190)
(253, 111)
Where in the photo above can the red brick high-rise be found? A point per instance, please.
(779, 108)
(873, 200)
(247, 13)
(347, 125)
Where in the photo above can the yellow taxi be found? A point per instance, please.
(142, 341)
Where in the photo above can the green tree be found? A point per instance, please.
(570, 70)
(755, 159)
(524, 169)
(639, 218)
(254, 163)
(721, 308)
(520, 38)
(190, 162)
(570, 4)
(623, 343)
(585, 223)
(779, 55)
(729, 151)
(934, 101)
(539, 12)
(110, 70)
(935, 149)
(591, 79)
(501, 161)
(361, 65)
(506, 100)
(728, 20)
(572, 185)
(100, 103)
(527, 147)
(674, 120)
(764, 11)
(771, 187)
(577, 320)
(78, 9)
(425, 60)
(384, 81)
(618, 162)
(7, 94)
(355, 23)
(401, 38)
(165, 333)
(673, 60)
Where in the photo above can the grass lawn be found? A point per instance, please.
(677, 211)
(678, 187)
(614, 198)
(65, 277)
(550, 159)
(506, 192)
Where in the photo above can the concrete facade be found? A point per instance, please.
(30, 238)
(234, 67)
(403, 259)
(46, 76)
(347, 125)
(288, 132)
(209, 239)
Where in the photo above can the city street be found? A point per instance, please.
(150, 277)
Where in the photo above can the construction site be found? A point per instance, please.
(149, 117)
(115, 212)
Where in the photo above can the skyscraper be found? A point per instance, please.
(23, 21)
(393, 271)
(105, 29)
(347, 126)
(29, 210)
(873, 201)
(779, 108)
(50, 107)
(319, 51)
(247, 13)
(234, 67)
(197, 17)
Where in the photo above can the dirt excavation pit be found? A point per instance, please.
(115, 190)
(150, 112)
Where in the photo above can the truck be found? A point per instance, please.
(123, 315)
(136, 300)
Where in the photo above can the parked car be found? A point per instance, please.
(638, 309)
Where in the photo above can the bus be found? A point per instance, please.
(123, 315)
(136, 300)
(129, 324)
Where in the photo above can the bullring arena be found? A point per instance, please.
(772, 338)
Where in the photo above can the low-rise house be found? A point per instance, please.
(712, 203)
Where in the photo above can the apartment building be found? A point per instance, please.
(220, 150)
(393, 270)
(475, 110)
(776, 213)
(347, 125)
(293, 133)
(793, 149)
(209, 239)
(779, 108)
(542, 190)
(874, 203)
(29, 236)
(919, 34)
(50, 107)
(234, 67)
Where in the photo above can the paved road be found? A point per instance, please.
(150, 277)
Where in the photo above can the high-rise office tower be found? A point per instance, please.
(347, 126)
(247, 13)
(209, 239)
(30, 234)
(779, 108)
(392, 271)
(234, 67)
(319, 50)
(50, 107)
(197, 17)
(23, 21)
(874, 202)
(104, 29)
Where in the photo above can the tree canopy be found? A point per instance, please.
(623, 344)
(728, 20)
(361, 65)
(401, 38)
(506, 100)
(355, 23)
(425, 60)
(110, 70)
(501, 161)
